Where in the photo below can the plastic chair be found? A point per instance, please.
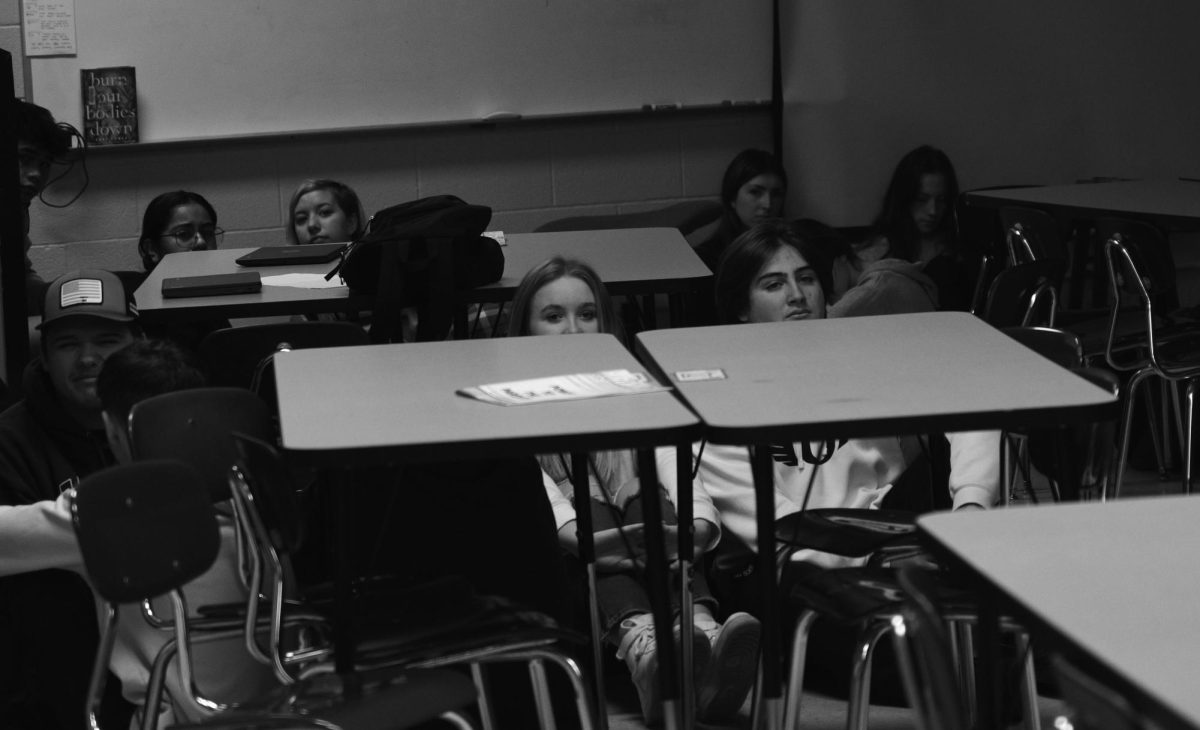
(1140, 269)
(240, 357)
(148, 528)
(432, 625)
(925, 655)
(194, 426)
(1022, 296)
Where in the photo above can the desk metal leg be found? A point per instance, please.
(337, 499)
(658, 587)
(991, 690)
(683, 510)
(587, 554)
(764, 493)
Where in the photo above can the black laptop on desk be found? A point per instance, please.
(313, 253)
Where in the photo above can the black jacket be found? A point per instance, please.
(48, 628)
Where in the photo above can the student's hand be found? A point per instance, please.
(619, 553)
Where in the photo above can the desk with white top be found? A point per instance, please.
(397, 403)
(270, 301)
(1173, 203)
(857, 377)
(1112, 585)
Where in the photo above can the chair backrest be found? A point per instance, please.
(924, 654)
(686, 216)
(1032, 234)
(144, 529)
(1141, 275)
(194, 426)
(1023, 295)
(269, 484)
(1061, 347)
(232, 356)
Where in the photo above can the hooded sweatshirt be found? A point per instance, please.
(48, 630)
(886, 286)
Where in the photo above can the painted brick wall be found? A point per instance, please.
(529, 173)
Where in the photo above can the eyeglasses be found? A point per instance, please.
(186, 235)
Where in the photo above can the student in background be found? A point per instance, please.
(562, 297)
(41, 537)
(40, 142)
(177, 221)
(324, 211)
(48, 442)
(917, 224)
(770, 274)
(752, 190)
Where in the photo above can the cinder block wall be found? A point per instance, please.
(528, 172)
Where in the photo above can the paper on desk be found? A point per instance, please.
(564, 387)
(303, 281)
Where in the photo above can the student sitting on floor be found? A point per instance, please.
(41, 537)
(917, 224)
(770, 274)
(562, 297)
(324, 211)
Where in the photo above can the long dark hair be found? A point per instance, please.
(895, 219)
(749, 252)
(158, 214)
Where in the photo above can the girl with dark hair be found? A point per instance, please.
(565, 296)
(174, 222)
(769, 274)
(752, 190)
(324, 211)
(917, 224)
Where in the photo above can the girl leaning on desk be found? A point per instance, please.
(771, 274)
(563, 297)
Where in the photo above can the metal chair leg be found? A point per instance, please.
(1127, 428)
(860, 677)
(1188, 435)
(795, 688)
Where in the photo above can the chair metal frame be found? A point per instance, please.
(1125, 273)
(265, 552)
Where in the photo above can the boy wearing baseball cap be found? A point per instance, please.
(48, 442)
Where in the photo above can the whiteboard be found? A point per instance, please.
(212, 68)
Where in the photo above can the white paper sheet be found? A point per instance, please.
(49, 27)
(564, 387)
(303, 281)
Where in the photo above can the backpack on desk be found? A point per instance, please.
(418, 253)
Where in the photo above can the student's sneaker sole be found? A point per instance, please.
(722, 689)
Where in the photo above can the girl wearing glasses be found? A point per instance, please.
(177, 221)
(563, 297)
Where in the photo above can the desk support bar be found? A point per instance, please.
(687, 540)
(764, 493)
(587, 554)
(657, 579)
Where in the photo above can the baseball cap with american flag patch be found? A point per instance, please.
(88, 293)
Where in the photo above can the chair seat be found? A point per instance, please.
(386, 702)
(850, 595)
(852, 533)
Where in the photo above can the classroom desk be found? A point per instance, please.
(1172, 203)
(858, 377)
(1112, 586)
(271, 301)
(394, 403)
(634, 262)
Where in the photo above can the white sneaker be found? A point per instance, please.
(722, 689)
(639, 649)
